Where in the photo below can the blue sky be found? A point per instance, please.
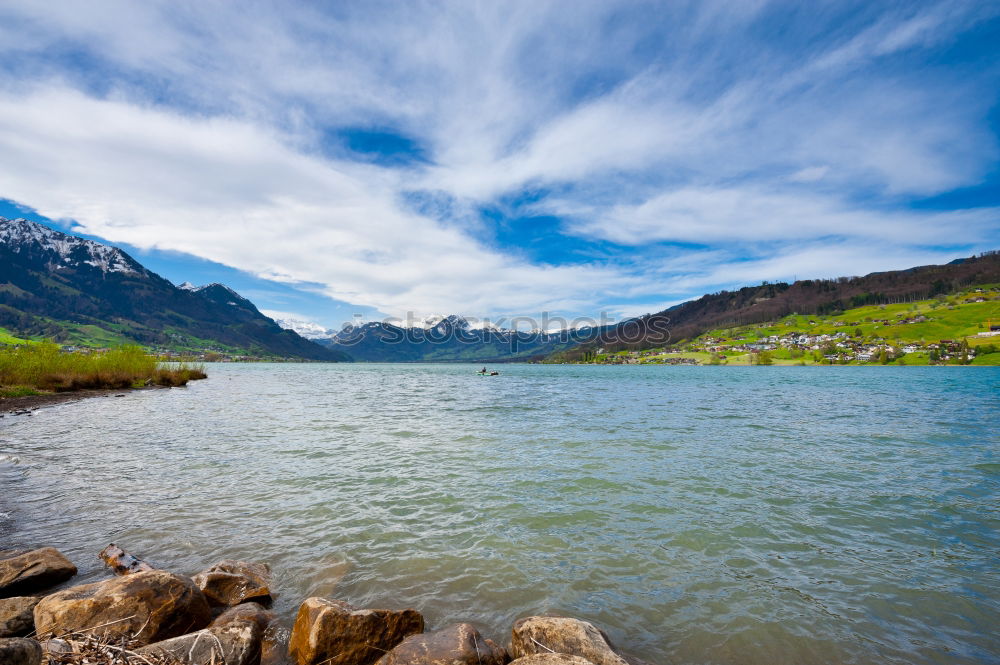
(505, 159)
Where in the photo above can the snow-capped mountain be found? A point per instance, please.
(443, 338)
(62, 251)
(80, 291)
(308, 329)
(223, 295)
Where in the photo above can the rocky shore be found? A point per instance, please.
(146, 616)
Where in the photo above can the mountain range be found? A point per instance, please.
(78, 291)
(451, 338)
(447, 339)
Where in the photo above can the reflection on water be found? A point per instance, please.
(699, 515)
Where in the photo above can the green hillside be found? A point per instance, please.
(943, 330)
(7, 337)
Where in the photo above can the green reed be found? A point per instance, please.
(45, 367)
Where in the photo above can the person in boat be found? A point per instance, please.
(482, 371)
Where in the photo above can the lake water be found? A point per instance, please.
(698, 514)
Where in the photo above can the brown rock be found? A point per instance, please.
(230, 582)
(148, 607)
(539, 635)
(274, 646)
(20, 651)
(547, 658)
(121, 562)
(250, 612)
(233, 643)
(17, 616)
(33, 571)
(334, 633)
(460, 644)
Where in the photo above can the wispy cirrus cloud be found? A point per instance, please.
(727, 215)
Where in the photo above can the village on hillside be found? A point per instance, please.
(961, 329)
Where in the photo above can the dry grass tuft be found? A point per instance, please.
(91, 650)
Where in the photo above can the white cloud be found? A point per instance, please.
(816, 261)
(200, 127)
(223, 190)
(810, 174)
(750, 214)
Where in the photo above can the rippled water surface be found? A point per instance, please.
(698, 514)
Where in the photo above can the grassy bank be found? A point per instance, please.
(945, 330)
(27, 370)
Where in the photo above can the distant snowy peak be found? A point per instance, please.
(214, 286)
(452, 321)
(221, 294)
(63, 250)
(307, 329)
(435, 326)
(214, 291)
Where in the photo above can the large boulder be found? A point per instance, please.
(551, 659)
(539, 635)
(335, 633)
(230, 582)
(37, 570)
(148, 607)
(460, 644)
(20, 651)
(231, 643)
(17, 616)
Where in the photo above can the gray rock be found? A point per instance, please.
(232, 643)
(17, 617)
(32, 571)
(20, 651)
(55, 647)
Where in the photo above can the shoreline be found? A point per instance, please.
(224, 613)
(28, 403)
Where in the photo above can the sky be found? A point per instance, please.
(362, 160)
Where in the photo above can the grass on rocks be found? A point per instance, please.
(90, 650)
(24, 370)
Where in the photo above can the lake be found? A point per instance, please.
(760, 515)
